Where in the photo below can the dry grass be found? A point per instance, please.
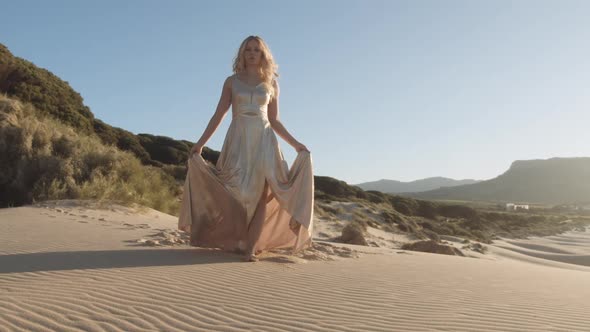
(43, 159)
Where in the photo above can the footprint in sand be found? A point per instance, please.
(321, 252)
(137, 226)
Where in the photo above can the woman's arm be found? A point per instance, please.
(276, 124)
(222, 108)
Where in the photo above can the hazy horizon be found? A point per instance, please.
(395, 90)
(432, 177)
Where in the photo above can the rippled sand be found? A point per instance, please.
(70, 267)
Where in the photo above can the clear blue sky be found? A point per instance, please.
(376, 89)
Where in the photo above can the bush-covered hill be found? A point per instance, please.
(42, 158)
(22, 80)
(48, 93)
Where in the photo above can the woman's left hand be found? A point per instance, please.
(300, 147)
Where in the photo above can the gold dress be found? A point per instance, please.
(251, 181)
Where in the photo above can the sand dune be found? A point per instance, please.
(572, 248)
(69, 267)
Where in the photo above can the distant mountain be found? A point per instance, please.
(551, 181)
(393, 186)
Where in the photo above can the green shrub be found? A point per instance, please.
(338, 189)
(43, 159)
(426, 209)
(176, 171)
(376, 196)
(404, 205)
(457, 211)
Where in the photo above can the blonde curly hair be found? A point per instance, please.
(268, 69)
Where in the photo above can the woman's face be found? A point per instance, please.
(252, 53)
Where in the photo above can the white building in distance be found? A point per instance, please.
(514, 207)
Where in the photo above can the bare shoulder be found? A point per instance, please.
(275, 85)
(228, 82)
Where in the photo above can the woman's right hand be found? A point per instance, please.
(196, 149)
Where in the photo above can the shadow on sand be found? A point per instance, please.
(70, 260)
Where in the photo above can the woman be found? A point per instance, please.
(250, 201)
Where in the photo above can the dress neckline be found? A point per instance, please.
(252, 86)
